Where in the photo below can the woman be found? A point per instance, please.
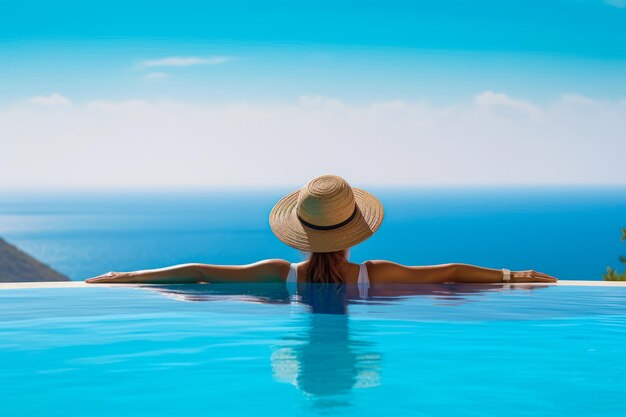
(325, 218)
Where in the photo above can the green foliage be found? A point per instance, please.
(613, 274)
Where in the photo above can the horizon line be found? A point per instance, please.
(149, 189)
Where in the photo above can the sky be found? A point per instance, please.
(131, 94)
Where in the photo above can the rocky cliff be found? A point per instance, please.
(18, 266)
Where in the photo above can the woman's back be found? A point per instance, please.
(350, 273)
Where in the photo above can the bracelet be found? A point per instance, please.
(506, 275)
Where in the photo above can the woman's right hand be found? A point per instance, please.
(109, 277)
(531, 276)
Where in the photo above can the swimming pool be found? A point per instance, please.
(235, 350)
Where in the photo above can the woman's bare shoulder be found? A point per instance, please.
(381, 263)
(383, 271)
(274, 262)
(279, 265)
(265, 269)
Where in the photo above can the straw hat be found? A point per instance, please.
(326, 215)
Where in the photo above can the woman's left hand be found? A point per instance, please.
(531, 276)
(109, 277)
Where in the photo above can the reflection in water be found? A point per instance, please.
(323, 301)
(326, 361)
(248, 292)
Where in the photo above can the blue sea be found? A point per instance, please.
(571, 233)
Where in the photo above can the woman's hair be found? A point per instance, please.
(324, 267)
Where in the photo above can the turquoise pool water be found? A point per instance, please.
(240, 350)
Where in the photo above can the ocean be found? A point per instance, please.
(568, 232)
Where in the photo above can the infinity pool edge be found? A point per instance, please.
(82, 284)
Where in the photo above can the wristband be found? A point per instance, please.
(506, 275)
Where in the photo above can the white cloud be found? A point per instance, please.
(50, 100)
(153, 76)
(320, 102)
(118, 108)
(185, 61)
(496, 101)
(578, 100)
(616, 3)
(147, 143)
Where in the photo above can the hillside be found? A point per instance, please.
(18, 266)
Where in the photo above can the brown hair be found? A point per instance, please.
(324, 267)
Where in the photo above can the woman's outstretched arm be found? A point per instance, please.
(390, 272)
(272, 270)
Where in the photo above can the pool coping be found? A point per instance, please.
(82, 284)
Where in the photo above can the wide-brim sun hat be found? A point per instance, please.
(326, 215)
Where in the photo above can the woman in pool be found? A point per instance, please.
(325, 218)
